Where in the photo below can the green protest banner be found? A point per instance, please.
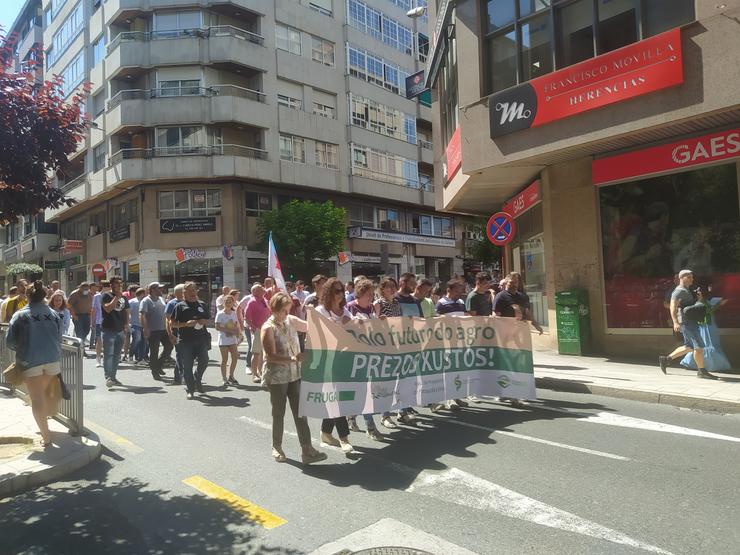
(371, 366)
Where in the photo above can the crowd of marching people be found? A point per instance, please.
(145, 326)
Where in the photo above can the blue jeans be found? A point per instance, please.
(370, 421)
(138, 345)
(82, 327)
(188, 352)
(248, 335)
(112, 344)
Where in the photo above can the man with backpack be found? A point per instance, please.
(687, 310)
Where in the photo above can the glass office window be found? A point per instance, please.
(662, 15)
(503, 68)
(575, 32)
(536, 47)
(617, 24)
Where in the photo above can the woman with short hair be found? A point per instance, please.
(35, 334)
(282, 376)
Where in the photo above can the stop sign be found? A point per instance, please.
(98, 271)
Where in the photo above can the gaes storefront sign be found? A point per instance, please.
(357, 232)
(524, 200)
(187, 225)
(689, 153)
(640, 68)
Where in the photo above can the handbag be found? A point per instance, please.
(13, 374)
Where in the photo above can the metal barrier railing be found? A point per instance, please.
(70, 411)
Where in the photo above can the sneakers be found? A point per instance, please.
(436, 407)
(352, 421)
(98, 364)
(387, 422)
(109, 383)
(407, 419)
(412, 410)
(190, 396)
(375, 435)
(232, 381)
(706, 375)
(452, 405)
(226, 383)
(346, 447)
(328, 439)
(249, 373)
(313, 456)
(663, 362)
(116, 382)
(461, 403)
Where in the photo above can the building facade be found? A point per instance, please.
(610, 131)
(205, 114)
(31, 239)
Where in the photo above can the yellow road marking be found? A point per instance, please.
(112, 436)
(253, 512)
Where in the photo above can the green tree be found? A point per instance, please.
(482, 250)
(18, 269)
(304, 233)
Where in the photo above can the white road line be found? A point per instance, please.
(638, 423)
(264, 425)
(613, 419)
(461, 488)
(537, 440)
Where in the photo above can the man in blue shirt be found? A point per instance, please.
(171, 332)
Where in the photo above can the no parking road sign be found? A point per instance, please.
(501, 228)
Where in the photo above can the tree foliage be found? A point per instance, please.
(304, 233)
(38, 130)
(483, 251)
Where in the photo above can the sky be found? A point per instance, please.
(9, 11)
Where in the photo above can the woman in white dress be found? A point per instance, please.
(229, 337)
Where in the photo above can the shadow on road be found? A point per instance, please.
(405, 453)
(87, 515)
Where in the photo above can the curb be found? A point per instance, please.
(683, 401)
(31, 474)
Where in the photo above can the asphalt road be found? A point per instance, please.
(567, 474)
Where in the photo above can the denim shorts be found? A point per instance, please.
(691, 336)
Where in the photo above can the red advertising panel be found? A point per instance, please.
(454, 154)
(524, 200)
(690, 153)
(72, 245)
(639, 68)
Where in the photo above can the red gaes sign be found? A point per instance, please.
(454, 154)
(639, 68)
(524, 200)
(698, 151)
(72, 245)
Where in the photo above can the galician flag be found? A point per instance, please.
(273, 266)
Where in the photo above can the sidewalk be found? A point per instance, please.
(637, 381)
(24, 464)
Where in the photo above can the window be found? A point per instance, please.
(98, 50)
(526, 39)
(205, 202)
(257, 203)
(289, 102)
(189, 203)
(99, 154)
(179, 87)
(432, 225)
(321, 6)
(173, 23)
(389, 219)
(98, 103)
(362, 215)
(384, 166)
(76, 229)
(326, 155)
(68, 31)
(73, 74)
(323, 110)
(56, 5)
(322, 51)
(124, 213)
(380, 26)
(176, 141)
(382, 119)
(422, 47)
(97, 224)
(652, 228)
(288, 39)
(292, 149)
(28, 225)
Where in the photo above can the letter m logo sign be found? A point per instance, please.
(512, 110)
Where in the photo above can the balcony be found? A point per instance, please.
(34, 37)
(188, 162)
(427, 151)
(117, 9)
(214, 104)
(133, 50)
(378, 184)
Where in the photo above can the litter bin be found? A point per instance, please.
(574, 321)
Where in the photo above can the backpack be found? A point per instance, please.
(694, 313)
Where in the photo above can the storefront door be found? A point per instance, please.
(206, 273)
(529, 260)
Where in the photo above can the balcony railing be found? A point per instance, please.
(195, 150)
(401, 181)
(76, 182)
(203, 33)
(424, 143)
(172, 92)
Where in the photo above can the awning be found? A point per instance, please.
(439, 42)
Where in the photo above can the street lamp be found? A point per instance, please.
(418, 11)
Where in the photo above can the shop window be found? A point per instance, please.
(257, 203)
(655, 227)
